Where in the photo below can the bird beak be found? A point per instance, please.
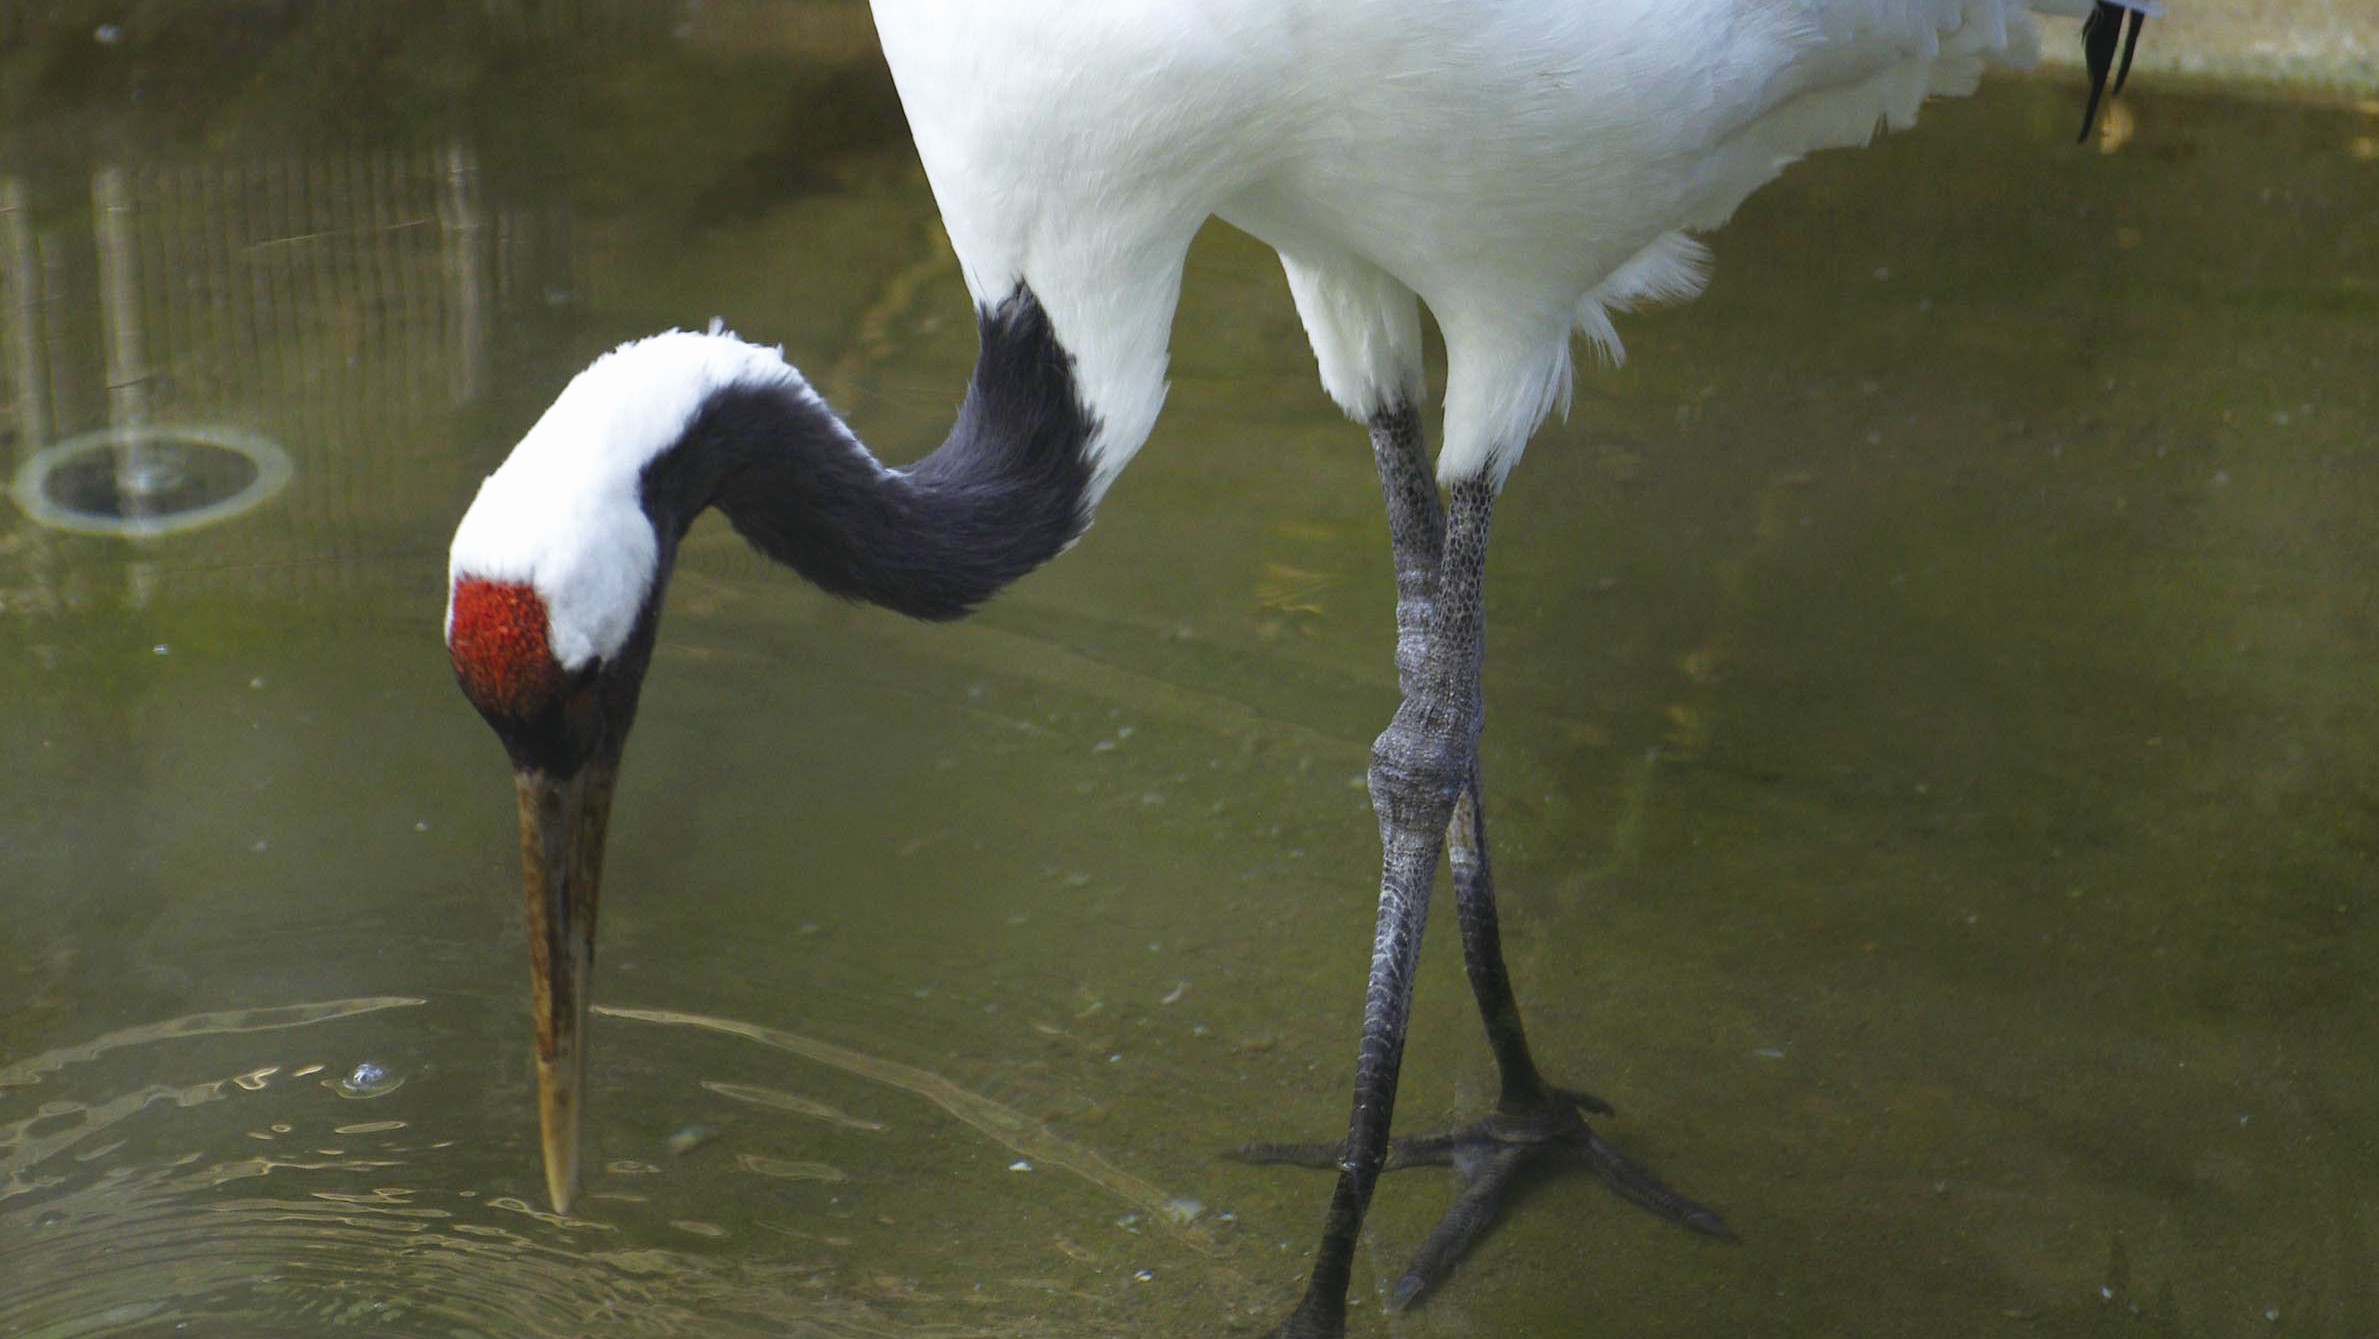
(562, 823)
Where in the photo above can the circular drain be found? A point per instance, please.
(140, 482)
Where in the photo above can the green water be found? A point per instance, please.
(1930, 740)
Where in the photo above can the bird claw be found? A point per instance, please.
(1487, 1157)
(1635, 1183)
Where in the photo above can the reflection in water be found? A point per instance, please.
(801, 1106)
(281, 1248)
(1028, 1138)
(338, 305)
(785, 1169)
(213, 287)
(282, 1235)
(199, 1025)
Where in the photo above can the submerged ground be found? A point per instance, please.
(1931, 740)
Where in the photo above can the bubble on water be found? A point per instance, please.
(366, 1080)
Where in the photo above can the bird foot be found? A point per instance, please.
(1487, 1157)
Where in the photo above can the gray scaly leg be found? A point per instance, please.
(1426, 793)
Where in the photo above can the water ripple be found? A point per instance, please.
(199, 1025)
(284, 1256)
(1030, 1139)
(126, 1204)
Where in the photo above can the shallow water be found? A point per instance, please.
(1931, 741)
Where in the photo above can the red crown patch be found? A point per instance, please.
(498, 641)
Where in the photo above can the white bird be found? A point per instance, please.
(1526, 168)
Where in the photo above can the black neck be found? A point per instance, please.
(1005, 493)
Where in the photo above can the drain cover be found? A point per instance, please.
(159, 479)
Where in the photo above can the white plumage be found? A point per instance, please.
(1524, 168)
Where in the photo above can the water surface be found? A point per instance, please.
(1930, 741)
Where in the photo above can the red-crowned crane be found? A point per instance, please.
(1524, 167)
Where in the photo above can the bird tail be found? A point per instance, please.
(1673, 268)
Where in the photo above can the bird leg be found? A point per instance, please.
(1426, 791)
(1419, 766)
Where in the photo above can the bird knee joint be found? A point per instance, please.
(1419, 769)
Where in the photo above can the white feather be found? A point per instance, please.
(564, 513)
(1522, 166)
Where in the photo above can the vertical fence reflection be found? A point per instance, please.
(343, 305)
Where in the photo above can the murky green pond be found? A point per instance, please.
(1932, 739)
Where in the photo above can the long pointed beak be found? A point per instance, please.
(562, 823)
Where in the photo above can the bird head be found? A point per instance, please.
(553, 597)
(555, 586)
(548, 717)
(564, 727)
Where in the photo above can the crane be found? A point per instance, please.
(1526, 168)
